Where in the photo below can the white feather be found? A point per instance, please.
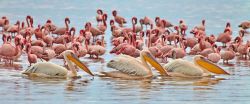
(183, 67)
(47, 68)
(128, 65)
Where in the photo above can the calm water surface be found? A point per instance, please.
(235, 88)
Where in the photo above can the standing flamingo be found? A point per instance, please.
(183, 27)
(120, 20)
(99, 17)
(62, 30)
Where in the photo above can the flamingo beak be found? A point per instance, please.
(209, 66)
(149, 58)
(73, 58)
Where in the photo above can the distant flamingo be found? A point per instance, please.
(103, 26)
(62, 30)
(32, 58)
(202, 26)
(214, 57)
(183, 27)
(120, 20)
(228, 54)
(224, 38)
(148, 21)
(137, 28)
(99, 17)
(245, 24)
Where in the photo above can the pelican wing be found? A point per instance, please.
(46, 68)
(183, 67)
(128, 65)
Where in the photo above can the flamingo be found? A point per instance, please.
(173, 36)
(14, 28)
(183, 27)
(32, 58)
(228, 54)
(103, 26)
(48, 54)
(43, 69)
(120, 20)
(148, 21)
(2, 21)
(202, 26)
(62, 30)
(6, 25)
(137, 29)
(94, 31)
(224, 38)
(96, 50)
(8, 51)
(99, 17)
(49, 25)
(245, 24)
(242, 49)
(214, 57)
(178, 52)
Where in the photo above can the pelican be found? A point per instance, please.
(200, 68)
(130, 68)
(48, 69)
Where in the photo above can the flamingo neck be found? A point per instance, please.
(67, 25)
(104, 23)
(27, 20)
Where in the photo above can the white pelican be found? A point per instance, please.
(48, 69)
(201, 67)
(130, 68)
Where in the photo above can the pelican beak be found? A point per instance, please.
(209, 66)
(73, 58)
(149, 58)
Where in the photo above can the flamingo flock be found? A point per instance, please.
(153, 40)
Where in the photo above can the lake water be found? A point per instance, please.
(222, 89)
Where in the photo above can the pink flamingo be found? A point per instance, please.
(62, 30)
(8, 51)
(37, 50)
(137, 28)
(148, 21)
(32, 58)
(95, 32)
(228, 28)
(242, 49)
(214, 57)
(103, 27)
(228, 54)
(202, 26)
(245, 25)
(6, 25)
(224, 38)
(177, 52)
(140, 41)
(48, 54)
(2, 21)
(49, 25)
(183, 27)
(99, 17)
(96, 50)
(120, 20)
(189, 42)
(14, 28)
(173, 36)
